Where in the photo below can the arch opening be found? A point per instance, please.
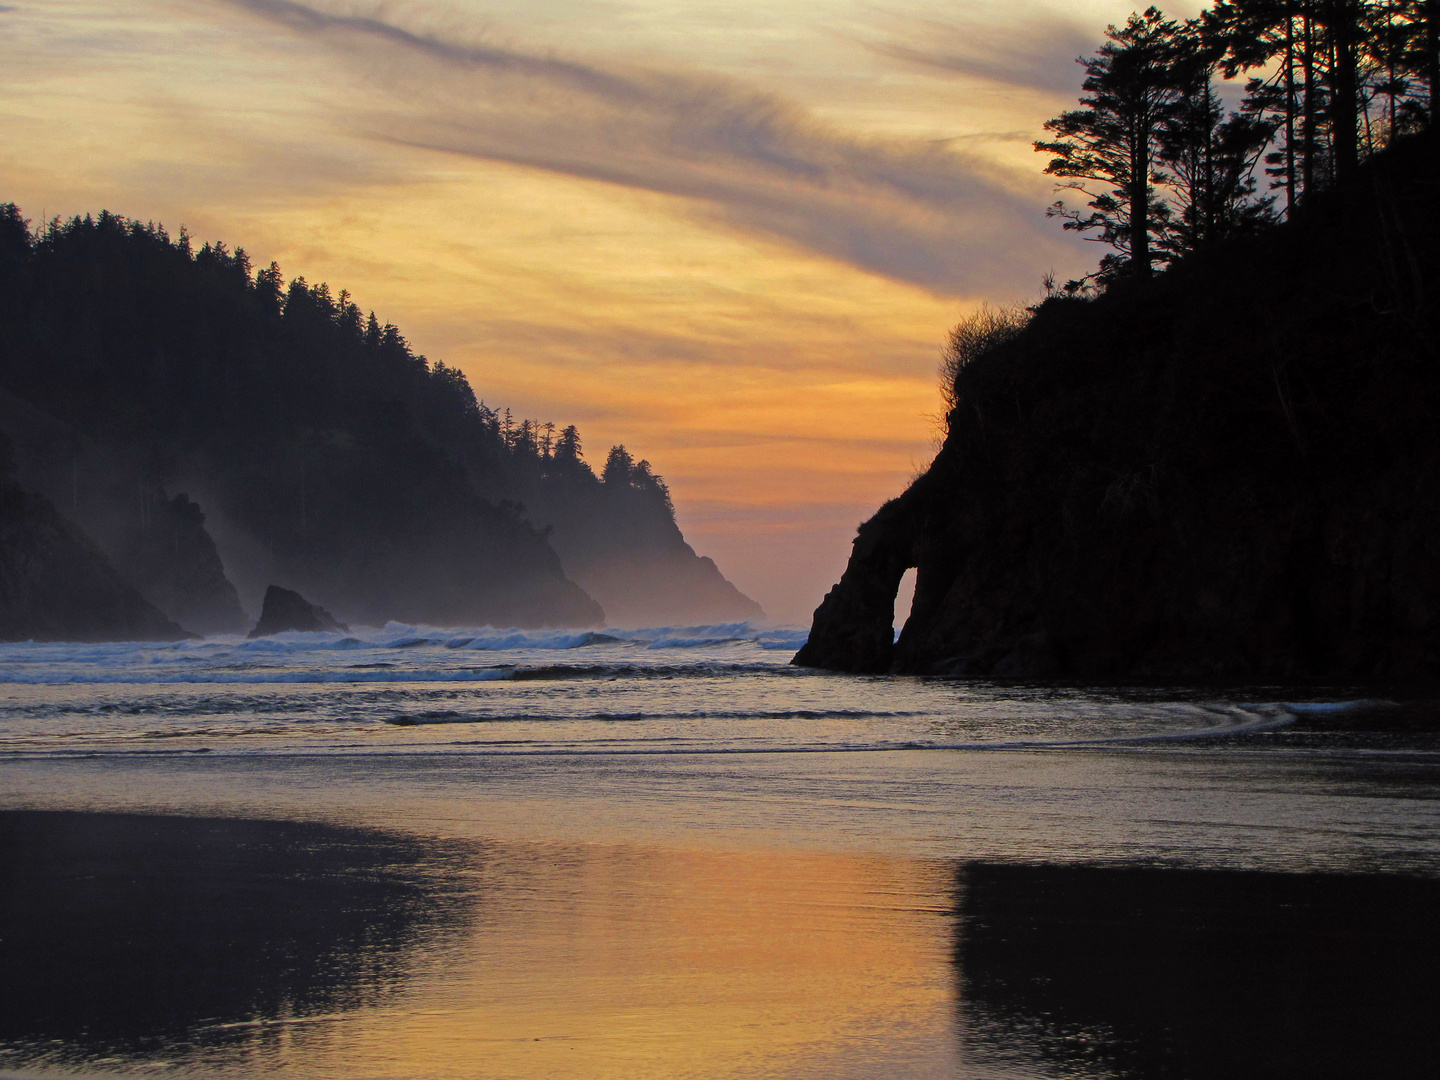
(904, 601)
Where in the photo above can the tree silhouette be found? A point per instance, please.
(1209, 160)
(1166, 171)
(618, 467)
(1106, 149)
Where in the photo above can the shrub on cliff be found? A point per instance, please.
(973, 337)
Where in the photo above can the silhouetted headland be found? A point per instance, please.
(1231, 469)
(212, 429)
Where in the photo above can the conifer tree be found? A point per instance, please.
(1209, 159)
(618, 467)
(1105, 150)
(567, 446)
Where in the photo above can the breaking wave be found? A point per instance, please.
(403, 653)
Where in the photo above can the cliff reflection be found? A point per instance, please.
(239, 948)
(1157, 973)
(132, 935)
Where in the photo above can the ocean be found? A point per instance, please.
(666, 852)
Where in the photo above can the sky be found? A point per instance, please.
(729, 234)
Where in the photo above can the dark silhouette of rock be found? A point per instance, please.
(55, 585)
(1231, 470)
(286, 610)
(618, 539)
(157, 543)
(170, 557)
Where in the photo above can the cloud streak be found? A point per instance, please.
(914, 211)
(1038, 54)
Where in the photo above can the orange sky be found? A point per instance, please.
(730, 234)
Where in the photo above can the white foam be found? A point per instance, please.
(395, 635)
(331, 675)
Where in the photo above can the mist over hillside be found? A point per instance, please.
(214, 429)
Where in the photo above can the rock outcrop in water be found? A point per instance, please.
(55, 585)
(286, 610)
(1230, 470)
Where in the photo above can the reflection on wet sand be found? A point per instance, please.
(136, 935)
(613, 962)
(237, 947)
(326, 952)
(1197, 975)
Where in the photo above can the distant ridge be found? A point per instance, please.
(165, 394)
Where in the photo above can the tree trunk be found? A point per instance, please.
(1344, 107)
(1432, 56)
(1140, 202)
(1307, 135)
(1290, 113)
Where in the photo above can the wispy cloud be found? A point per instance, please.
(927, 213)
(1034, 54)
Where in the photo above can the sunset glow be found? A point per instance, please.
(731, 236)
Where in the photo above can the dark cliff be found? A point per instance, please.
(621, 544)
(1230, 470)
(314, 445)
(320, 449)
(172, 559)
(157, 543)
(55, 585)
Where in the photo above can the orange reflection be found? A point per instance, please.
(616, 962)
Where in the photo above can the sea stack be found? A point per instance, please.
(287, 610)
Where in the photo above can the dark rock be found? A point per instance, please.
(157, 543)
(627, 551)
(1231, 470)
(285, 610)
(170, 557)
(55, 585)
(853, 630)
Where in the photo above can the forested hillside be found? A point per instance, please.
(162, 396)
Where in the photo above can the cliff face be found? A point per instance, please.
(170, 557)
(158, 544)
(668, 587)
(625, 549)
(55, 585)
(1231, 470)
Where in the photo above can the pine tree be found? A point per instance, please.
(1106, 149)
(618, 467)
(1209, 160)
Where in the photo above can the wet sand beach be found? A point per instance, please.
(701, 864)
